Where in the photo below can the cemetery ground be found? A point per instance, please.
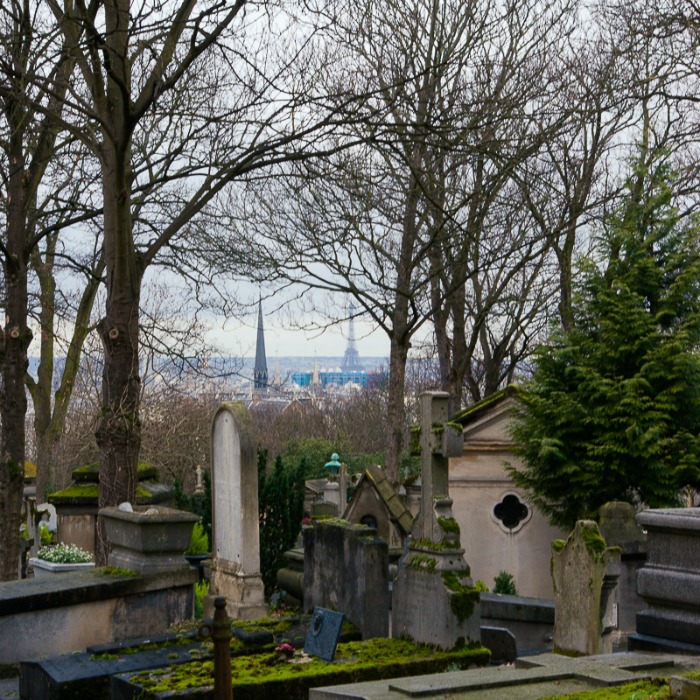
(419, 637)
(182, 668)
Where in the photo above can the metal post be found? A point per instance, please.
(220, 633)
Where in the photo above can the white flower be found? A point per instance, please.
(64, 554)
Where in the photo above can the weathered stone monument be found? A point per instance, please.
(585, 572)
(669, 582)
(616, 522)
(434, 601)
(346, 569)
(235, 568)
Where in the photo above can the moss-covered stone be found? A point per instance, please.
(265, 677)
(90, 473)
(463, 597)
(87, 492)
(421, 562)
(449, 525)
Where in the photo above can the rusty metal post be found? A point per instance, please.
(220, 633)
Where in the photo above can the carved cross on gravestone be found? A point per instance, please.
(439, 440)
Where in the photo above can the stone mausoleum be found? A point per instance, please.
(501, 530)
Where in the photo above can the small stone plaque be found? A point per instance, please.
(324, 633)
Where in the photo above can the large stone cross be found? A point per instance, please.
(439, 440)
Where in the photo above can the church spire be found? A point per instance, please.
(260, 369)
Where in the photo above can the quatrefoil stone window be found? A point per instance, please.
(511, 512)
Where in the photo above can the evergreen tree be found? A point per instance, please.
(281, 508)
(613, 409)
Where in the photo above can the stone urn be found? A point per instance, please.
(149, 539)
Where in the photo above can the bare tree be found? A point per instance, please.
(35, 72)
(451, 82)
(211, 92)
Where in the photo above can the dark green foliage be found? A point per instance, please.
(200, 504)
(504, 584)
(281, 509)
(613, 410)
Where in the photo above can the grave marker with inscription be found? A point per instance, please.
(235, 569)
(324, 633)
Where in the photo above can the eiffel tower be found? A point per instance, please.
(351, 359)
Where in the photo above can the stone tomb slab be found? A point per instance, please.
(546, 674)
(87, 675)
(324, 633)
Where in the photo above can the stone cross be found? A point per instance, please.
(438, 441)
(434, 600)
(235, 527)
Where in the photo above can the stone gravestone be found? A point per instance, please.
(235, 568)
(324, 632)
(346, 568)
(618, 528)
(585, 572)
(434, 601)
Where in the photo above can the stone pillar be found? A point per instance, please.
(585, 572)
(235, 568)
(434, 600)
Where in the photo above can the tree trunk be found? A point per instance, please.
(396, 409)
(13, 347)
(41, 391)
(119, 429)
(50, 409)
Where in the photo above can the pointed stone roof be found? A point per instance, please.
(260, 368)
(398, 513)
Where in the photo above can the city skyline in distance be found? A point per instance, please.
(239, 340)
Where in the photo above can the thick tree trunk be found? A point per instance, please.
(13, 347)
(43, 390)
(119, 429)
(396, 409)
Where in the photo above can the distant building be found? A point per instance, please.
(351, 359)
(260, 368)
(365, 379)
(314, 381)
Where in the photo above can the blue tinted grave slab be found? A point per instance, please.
(323, 634)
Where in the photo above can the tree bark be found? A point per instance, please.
(15, 340)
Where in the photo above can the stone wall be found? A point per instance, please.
(71, 611)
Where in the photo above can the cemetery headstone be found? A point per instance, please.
(235, 568)
(324, 632)
(346, 568)
(434, 600)
(585, 573)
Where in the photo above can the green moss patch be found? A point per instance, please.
(463, 597)
(265, 677)
(449, 525)
(653, 689)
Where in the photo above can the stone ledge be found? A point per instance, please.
(520, 608)
(74, 588)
